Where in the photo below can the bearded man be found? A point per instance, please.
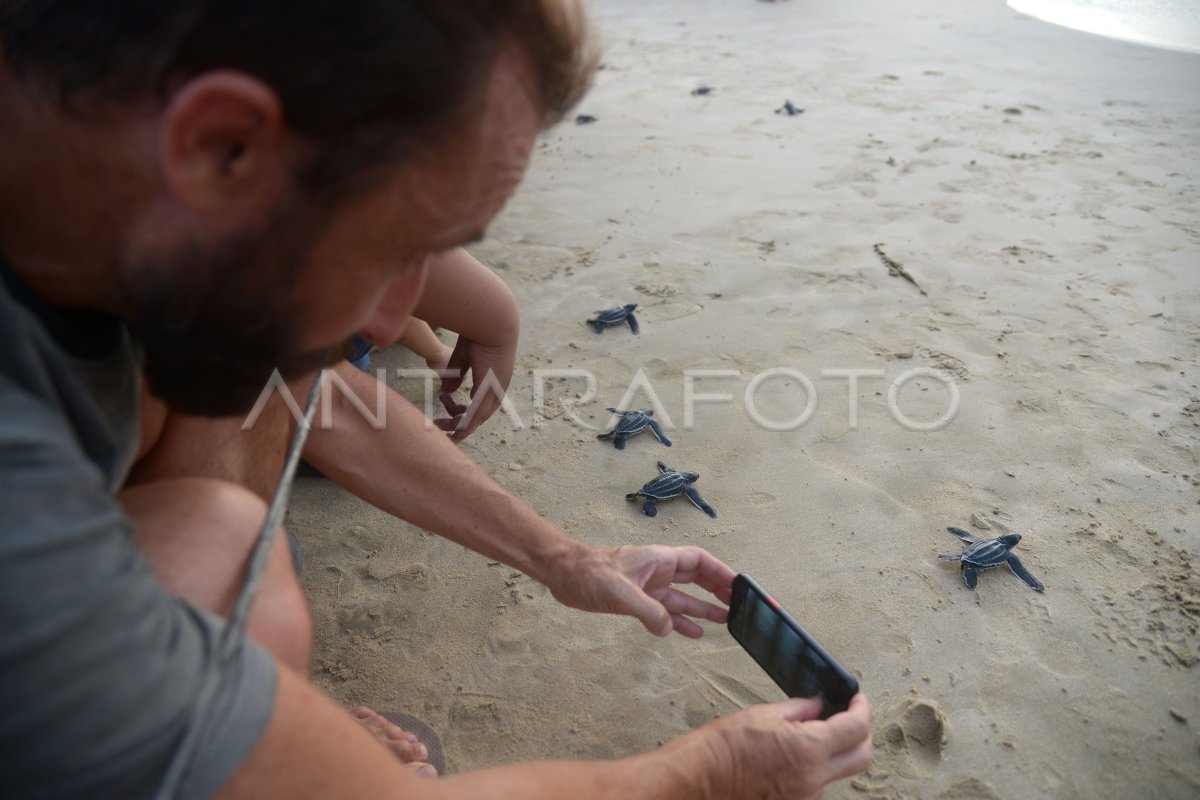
(203, 192)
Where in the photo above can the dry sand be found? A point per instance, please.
(1040, 186)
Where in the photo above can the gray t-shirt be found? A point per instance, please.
(100, 668)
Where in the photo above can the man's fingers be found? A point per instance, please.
(697, 565)
(851, 762)
(798, 709)
(685, 627)
(678, 602)
(845, 731)
(649, 611)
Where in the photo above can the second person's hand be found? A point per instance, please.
(491, 370)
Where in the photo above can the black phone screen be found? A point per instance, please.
(788, 653)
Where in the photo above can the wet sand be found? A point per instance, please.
(1038, 186)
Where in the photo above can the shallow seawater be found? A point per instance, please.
(1173, 24)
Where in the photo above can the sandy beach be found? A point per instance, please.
(1039, 187)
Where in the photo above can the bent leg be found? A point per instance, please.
(198, 533)
(180, 446)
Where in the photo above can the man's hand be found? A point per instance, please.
(783, 751)
(638, 581)
(490, 368)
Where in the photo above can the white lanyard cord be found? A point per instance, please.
(235, 628)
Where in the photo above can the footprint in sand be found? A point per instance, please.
(762, 498)
(669, 312)
(912, 738)
(970, 789)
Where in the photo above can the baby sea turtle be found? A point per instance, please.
(670, 483)
(984, 554)
(615, 316)
(632, 423)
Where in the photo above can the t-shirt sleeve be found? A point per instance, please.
(101, 668)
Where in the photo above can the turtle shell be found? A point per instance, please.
(667, 485)
(985, 554)
(611, 315)
(633, 422)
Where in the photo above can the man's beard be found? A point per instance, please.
(215, 324)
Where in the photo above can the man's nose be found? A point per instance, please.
(395, 306)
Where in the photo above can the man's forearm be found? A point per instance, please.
(313, 749)
(679, 771)
(418, 475)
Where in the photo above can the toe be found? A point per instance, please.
(404, 745)
(423, 769)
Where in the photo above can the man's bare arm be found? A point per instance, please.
(313, 749)
(416, 474)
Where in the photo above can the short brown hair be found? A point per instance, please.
(360, 78)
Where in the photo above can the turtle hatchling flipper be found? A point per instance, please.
(649, 509)
(605, 436)
(658, 433)
(960, 533)
(699, 503)
(632, 497)
(616, 411)
(597, 324)
(662, 467)
(633, 324)
(1019, 570)
(619, 441)
(970, 577)
(949, 557)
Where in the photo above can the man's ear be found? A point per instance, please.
(225, 142)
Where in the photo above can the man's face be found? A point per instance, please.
(288, 292)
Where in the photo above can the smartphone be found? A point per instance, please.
(788, 653)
